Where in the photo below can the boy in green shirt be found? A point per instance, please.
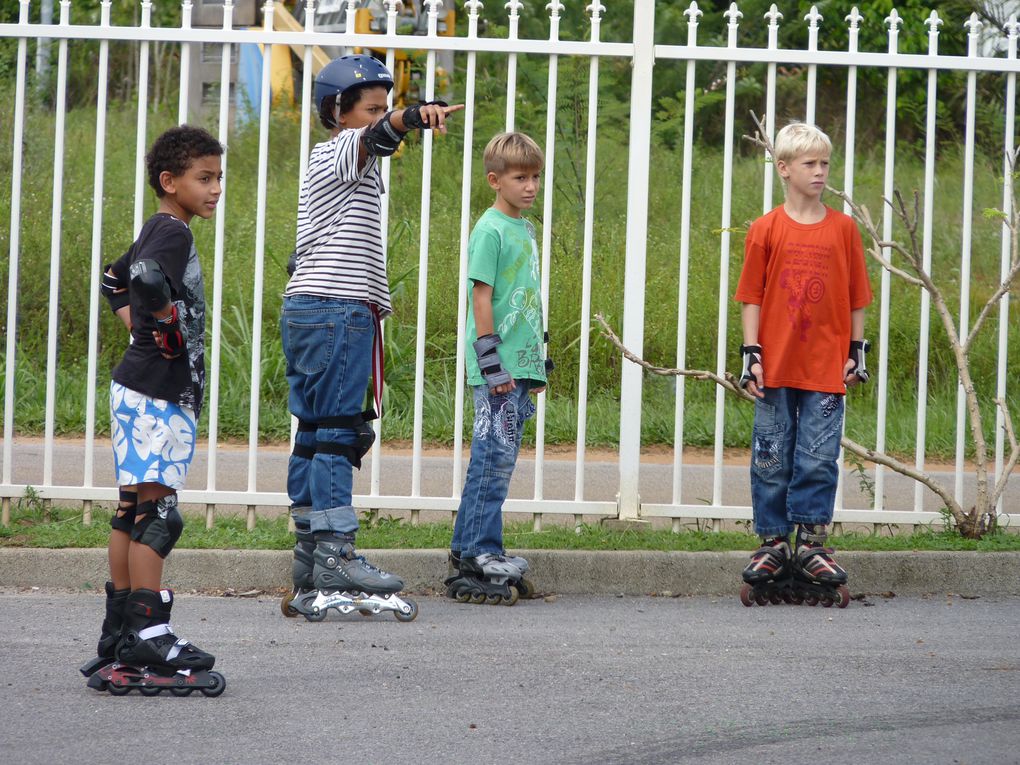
(506, 363)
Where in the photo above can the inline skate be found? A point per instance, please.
(487, 578)
(109, 635)
(151, 658)
(347, 582)
(301, 571)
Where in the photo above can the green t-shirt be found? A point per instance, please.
(502, 252)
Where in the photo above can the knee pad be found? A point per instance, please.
(161, 527)
(129, 507)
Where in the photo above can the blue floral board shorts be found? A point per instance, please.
(153, 439)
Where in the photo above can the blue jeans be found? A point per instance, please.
(794, 457)
(495, 443)
(328, 347)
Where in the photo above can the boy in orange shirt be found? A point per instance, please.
(804, 287)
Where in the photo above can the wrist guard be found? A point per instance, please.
(412, 115)
(382, 139)
(149, 283)
(857, 350)
(750, 355)
(113, 289)
(488, 359)
(171, 334)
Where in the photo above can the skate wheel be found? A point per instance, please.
(181, 691)
(493, 599)
(787, 596)
(315, 616)
(761, 599)
(410, 616)
(464, 596)
(796, 598)
(219, 685)
(745, 595)
(286, 608)
(118, 690)
(512, 598)
(150, 690)
(811, 599)
(478, 598)
(843, 596)
(525, 588)
(775, 598)
(827, 601)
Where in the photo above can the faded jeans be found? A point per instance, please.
(496, 441)
(328, 346)
(794, 458)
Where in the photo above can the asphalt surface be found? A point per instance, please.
(576, 679)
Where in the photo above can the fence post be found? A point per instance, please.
(629, 499)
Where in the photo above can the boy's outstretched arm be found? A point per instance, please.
(383, 138)
(752, 372)
(481, 305)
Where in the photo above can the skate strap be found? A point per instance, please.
(153, 632)
(176, 649)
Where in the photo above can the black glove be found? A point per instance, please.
(857, 350)
(171, 334)
(412, 115)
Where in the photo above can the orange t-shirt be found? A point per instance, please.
(807, 278)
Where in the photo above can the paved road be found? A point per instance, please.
(601, 475)
(579, 680)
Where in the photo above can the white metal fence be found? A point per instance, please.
(988, 56)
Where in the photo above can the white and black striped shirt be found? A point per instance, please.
(339, 226)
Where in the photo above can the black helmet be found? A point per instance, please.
(347, 72)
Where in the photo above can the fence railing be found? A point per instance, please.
(990, 55)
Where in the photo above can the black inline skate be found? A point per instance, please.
(817, 578)
(109, 635)
(768, 575)
(487, 578)
(344, 580)
(151, 658)
(301, 571)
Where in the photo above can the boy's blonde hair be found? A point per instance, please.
(798, 139)
(512, 150)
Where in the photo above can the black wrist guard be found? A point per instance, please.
(113, 289)
(412, 115)
(750, 355)
(489, 362)
(382, 139)
(857, 350)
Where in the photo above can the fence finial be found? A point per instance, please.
(554, 7)
(773, 15)
(514, 6)
(813, 17)
(1012, 27)
(693, 12)
(933, 22)
(733, 14)
(854, 18)
(893, 20)
(474, 7)
(973, 25)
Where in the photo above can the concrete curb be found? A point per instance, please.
(560, 571)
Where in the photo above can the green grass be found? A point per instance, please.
(565, 279)
(63, 528)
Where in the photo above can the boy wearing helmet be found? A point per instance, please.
(332, 306)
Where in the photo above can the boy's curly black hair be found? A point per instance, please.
(176, 149)
(348, 100)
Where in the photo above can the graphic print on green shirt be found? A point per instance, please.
(503, 253)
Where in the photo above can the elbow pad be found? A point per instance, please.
(382, 139)
(149, 283)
